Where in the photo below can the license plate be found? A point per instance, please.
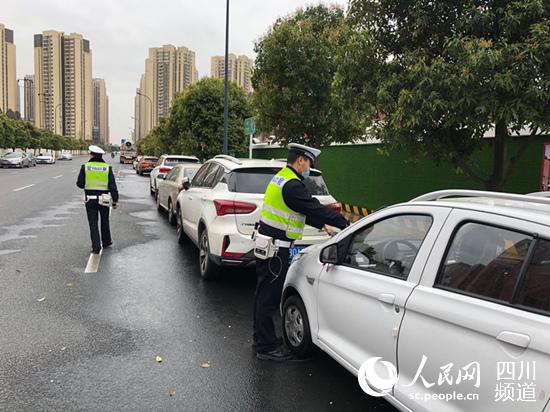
(294, 250)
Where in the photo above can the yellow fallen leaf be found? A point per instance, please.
(158, 359)
(205, 365)
(41, 299)
(69, 285)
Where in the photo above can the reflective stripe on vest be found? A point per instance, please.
(96, 176)
(276, 213)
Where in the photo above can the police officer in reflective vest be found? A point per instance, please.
(288, 206)
(97, 179)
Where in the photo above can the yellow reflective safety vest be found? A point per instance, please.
(276, 213)
(96, 176)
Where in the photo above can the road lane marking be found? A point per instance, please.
(93, 262)
(57, 177)
(22, 188)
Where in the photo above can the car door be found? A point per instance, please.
(476, 332)
(165, 187)
(191, 202)
(360, 301)
(172, 185)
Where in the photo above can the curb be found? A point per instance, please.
(356, 210)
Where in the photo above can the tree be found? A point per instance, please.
(195, 125)
(293, 79)
(434, 77)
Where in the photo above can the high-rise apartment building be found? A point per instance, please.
(100, 128)
(169, 70)
(239, 70)
(8, 77)
(63, 83)
(28, 95)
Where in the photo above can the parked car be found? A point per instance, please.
(164, 165)
(453, 279)
(45, 159)
(65, 156)
(172, 184)
(136, 161)
(146, 164)
(220, 208)
(31, 158)
(15, 159)
(540, 194)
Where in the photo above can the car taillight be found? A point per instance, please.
(180, 187)
(164, 170)
(230, 207)
(335, 206)
(227, 254)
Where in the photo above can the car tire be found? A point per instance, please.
(180, 233)
(171, 213)
(296, 332)
(208, 268)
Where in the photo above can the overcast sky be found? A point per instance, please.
(121, 31)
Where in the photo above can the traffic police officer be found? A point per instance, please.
(97, 179)
(288, 206)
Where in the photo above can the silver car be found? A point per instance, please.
(32, 159)
(15, 159)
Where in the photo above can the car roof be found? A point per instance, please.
(180, 157)
(526, 207)
(233, 163)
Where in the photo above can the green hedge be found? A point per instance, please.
(362, 176)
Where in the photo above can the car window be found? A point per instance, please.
(316, 184)
(252, 180)
(171, 161)
(198, 180)
(171, 176)
(535, 289)
(190, 172)
(484, 260)
(212, 176)
(13, 155)
(389, 246)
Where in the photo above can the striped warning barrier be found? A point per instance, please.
(352, 212)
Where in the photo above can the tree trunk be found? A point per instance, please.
(500, 158)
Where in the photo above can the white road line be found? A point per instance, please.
(93, 263)
(21, 188)
(57, 177)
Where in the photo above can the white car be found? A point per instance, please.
(165, 164)
(452, 290)
(220, 208)
(45, 159)
(65, 156)
(171, 185)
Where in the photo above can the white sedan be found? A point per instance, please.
(440, 304)
(45, 159)
(164, 165)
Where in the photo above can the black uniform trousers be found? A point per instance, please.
(94, 210)
(271, 274)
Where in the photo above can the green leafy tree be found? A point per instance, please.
(293, 79)
(434, 77)
(195, 125)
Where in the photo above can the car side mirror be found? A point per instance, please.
(186, 183)
(330, 254)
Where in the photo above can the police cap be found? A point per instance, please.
(309, 152)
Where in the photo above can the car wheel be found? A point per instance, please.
(159, 206)
(171, 213)
(180, 233)
(151, 190)
(296, 332)
(208, 268)
(137, 173)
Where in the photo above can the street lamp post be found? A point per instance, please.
(225, 83)
(151, 103)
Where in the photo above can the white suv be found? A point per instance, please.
(165, 163)
(220, 207)
(452, 289)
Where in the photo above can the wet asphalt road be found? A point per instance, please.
(76, 341)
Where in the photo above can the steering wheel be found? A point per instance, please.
(394, 243)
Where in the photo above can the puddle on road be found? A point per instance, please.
(47, 219)
(146, 214)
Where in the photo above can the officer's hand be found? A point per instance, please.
(329, 229)
(115, 205)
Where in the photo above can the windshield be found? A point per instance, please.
(256, 181)
(13, 155)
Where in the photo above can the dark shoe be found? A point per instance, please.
(277, 355)
(108, 245)
(96, 252)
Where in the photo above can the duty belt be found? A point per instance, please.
(282, 243)
(90, 197)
